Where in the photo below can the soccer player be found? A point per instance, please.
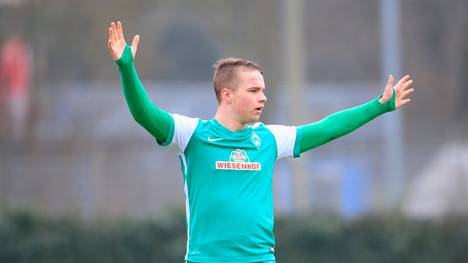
(227, 162)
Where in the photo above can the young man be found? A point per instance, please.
(227, 162)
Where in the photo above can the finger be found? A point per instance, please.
(114, 32)
(111, 34)
(135, 42)
(407, 84)
(387, 93)
(402, 80)
(389, 82)
(119, 30)
(407, 92)
(403, 102)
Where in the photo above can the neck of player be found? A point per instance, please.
(228, 122)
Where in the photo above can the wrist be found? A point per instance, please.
(126, 58)
(390, 104)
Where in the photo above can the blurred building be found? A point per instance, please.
(84, 154)
(441, 189)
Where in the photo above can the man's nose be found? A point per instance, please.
(263, 98)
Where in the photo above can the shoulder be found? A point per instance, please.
(183, 121)
(286, 138)
(275, 129)
(280, 129)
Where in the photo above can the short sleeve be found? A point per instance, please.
(287, 140)
(180, 131)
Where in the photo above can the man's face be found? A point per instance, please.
(248, 98)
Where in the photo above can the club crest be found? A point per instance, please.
(256, 140)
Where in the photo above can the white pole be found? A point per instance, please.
(393, 151)
(293, 34)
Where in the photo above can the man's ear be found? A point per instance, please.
(226, 95)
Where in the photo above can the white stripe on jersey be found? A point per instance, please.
(187, 206)
(183, 129)
(285, 137)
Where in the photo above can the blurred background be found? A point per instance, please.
(71, 154)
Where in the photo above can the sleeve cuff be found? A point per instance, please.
(126, 58)
(170, 134)
(389, 105)
(297, 143)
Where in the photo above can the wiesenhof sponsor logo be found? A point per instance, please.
(250, 166)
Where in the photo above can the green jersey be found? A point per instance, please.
(228, 186)
(228, 175)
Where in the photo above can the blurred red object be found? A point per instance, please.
(15, 64)
(15, 78)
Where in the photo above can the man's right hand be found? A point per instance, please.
(116, 43)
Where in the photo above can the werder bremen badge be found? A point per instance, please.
(256, 140)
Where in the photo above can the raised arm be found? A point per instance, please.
(346, 121)
(156, 121)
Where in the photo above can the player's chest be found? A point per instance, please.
(223, 153)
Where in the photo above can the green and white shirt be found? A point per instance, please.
(228, 186)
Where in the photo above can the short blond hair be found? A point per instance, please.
(225, 70)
